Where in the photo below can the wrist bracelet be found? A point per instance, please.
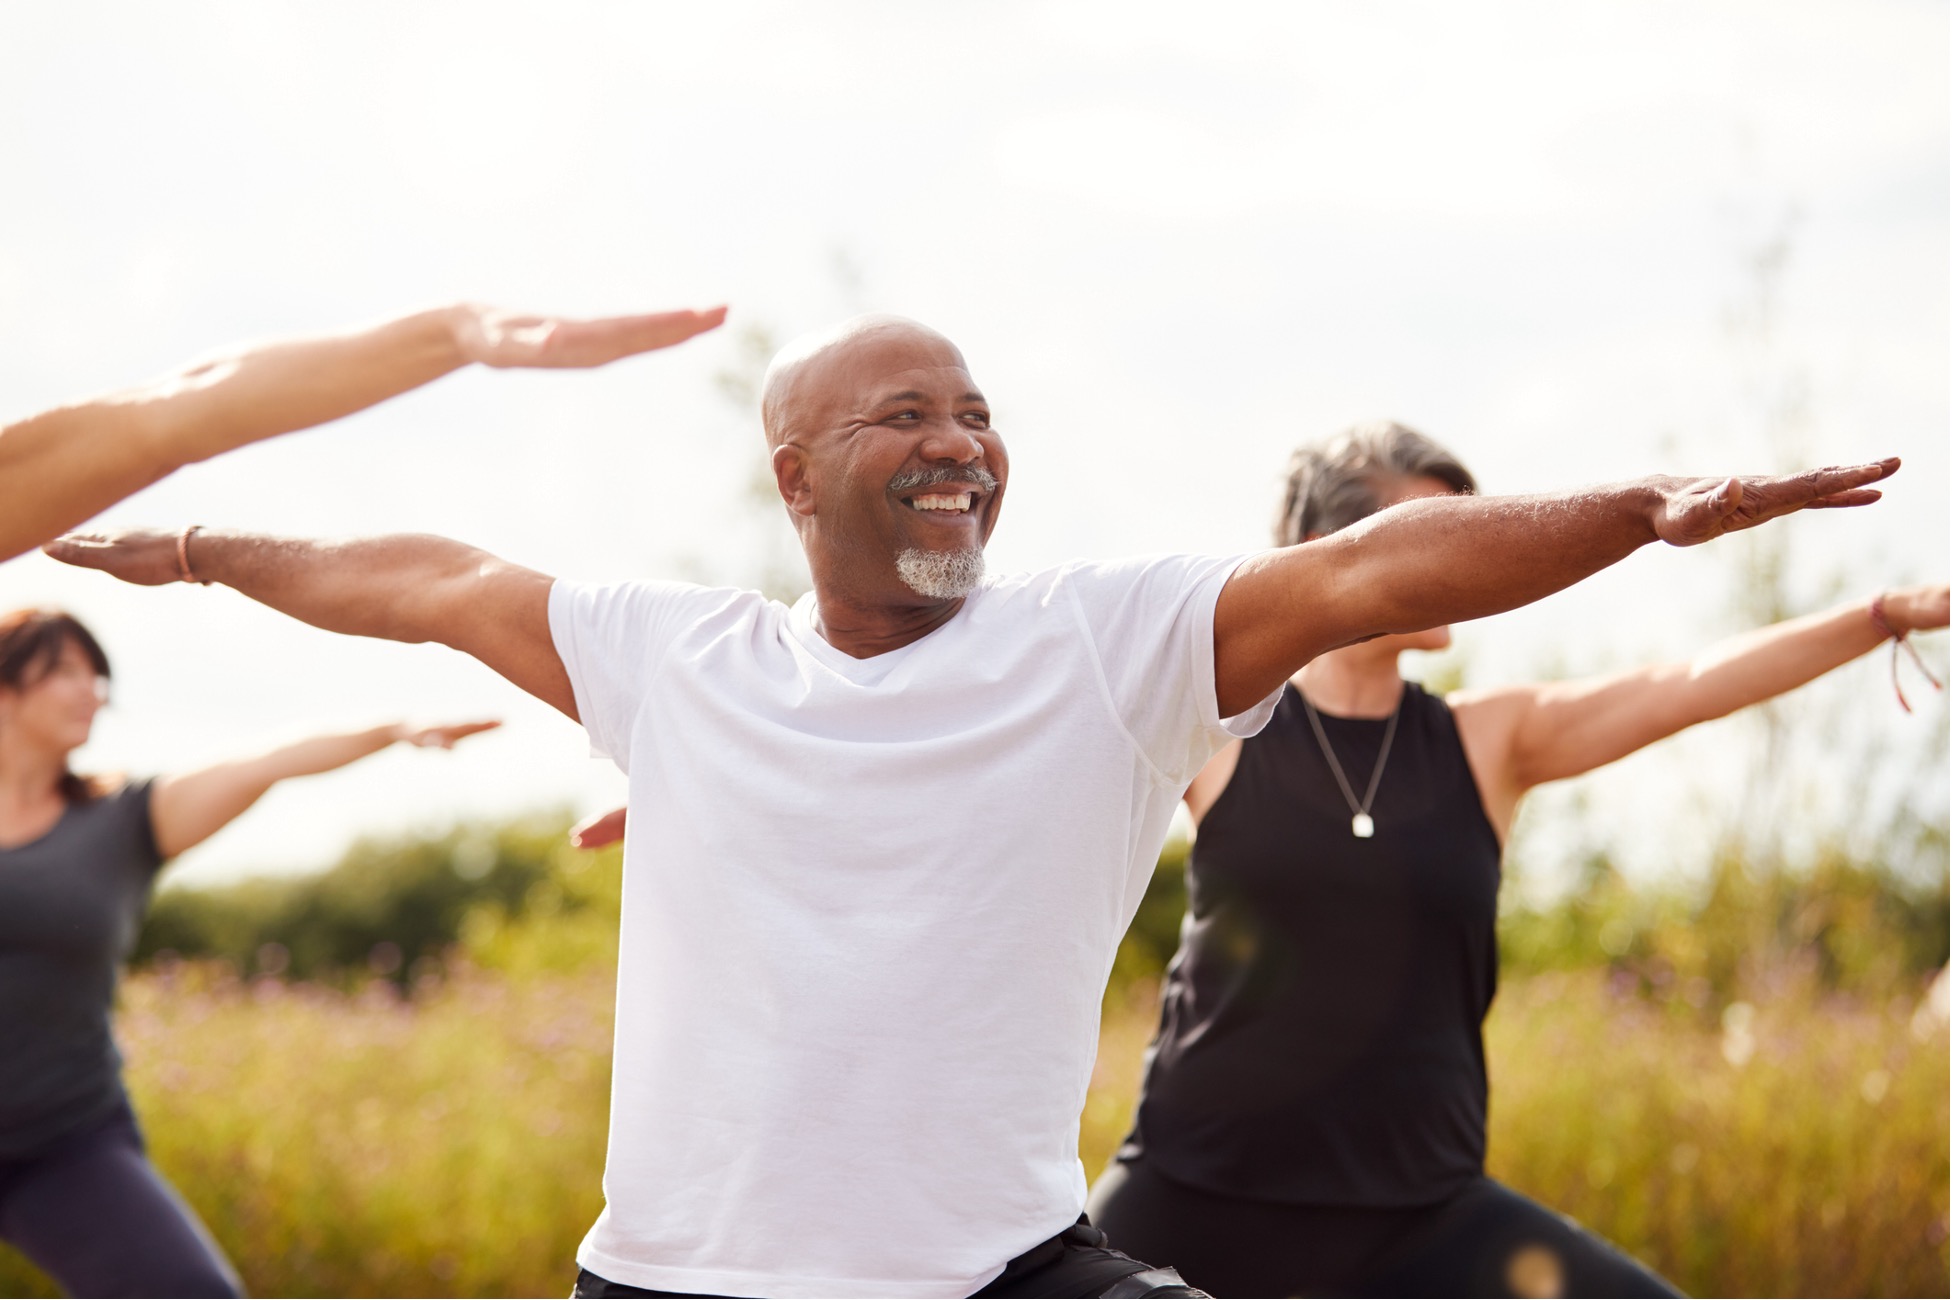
(1899, 641)
(183, 558)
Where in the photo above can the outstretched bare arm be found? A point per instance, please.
(1448, 559)
(62, 466)
(1518, 737)
(189, 808)
(406, 587)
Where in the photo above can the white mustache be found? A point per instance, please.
(978, 475)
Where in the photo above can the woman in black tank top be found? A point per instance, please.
(78, 857)
(1313, 1114)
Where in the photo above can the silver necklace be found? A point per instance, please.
(1362, 816)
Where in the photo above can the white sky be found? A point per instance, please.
(1173, 242)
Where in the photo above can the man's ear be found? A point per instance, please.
(791, 466)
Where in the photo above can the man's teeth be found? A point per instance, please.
(961, 501)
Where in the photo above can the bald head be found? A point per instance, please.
(815, 373)
(884, 453)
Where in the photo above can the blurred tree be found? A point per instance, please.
(384, 907)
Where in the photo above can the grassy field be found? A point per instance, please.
(1796, 1145)
(356, 1143)
(359, 1144)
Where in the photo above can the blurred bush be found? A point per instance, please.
(1853, 926)
(1856, 925)
(516, 897)
(394, 907)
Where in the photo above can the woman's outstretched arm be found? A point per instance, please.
(189, 809)
(1522, 736)
(62, 466)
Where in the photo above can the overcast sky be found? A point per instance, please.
(1574, 243)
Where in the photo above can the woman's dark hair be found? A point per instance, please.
(30, 642)
(1333, 484)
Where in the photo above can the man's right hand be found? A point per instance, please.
(144, 556)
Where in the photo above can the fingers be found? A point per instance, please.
(143, 556)
(445, 737)
(1835, 479)
(81, 549)
(596, 342)
(1920, 609)
(1936, 610)
(1853, 497)
(1835, 487)
(506, 339)
(597, 832)
(661, 329)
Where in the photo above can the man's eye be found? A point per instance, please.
(905, 415)
(979, 419)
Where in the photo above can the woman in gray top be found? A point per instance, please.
(77, 860)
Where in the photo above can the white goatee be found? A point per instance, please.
(941, 575)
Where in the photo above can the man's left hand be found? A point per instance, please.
(1691, 511)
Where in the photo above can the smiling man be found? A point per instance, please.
(889, 838)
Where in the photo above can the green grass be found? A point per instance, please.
(356, 1143)
(1798, 1144)
(1804, 1152)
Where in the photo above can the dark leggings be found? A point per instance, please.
(1484, 1241)
(92, 1211)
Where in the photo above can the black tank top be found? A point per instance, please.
(1321, 1038)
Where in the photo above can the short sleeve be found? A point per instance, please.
(130, 806)
(1151, 624)
(611, 637)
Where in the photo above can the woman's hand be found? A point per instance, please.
(1917, 609)
(504, 339)
(444, 737)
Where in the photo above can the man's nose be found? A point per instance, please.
(950, 440)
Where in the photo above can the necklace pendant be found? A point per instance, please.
(1362, 826)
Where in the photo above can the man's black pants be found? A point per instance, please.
(1074, 1262)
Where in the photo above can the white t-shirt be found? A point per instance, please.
(870, 907)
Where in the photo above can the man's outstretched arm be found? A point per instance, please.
(62, 466)
(1448, 559)
(406, 587)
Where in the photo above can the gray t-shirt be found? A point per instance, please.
(71, 903)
